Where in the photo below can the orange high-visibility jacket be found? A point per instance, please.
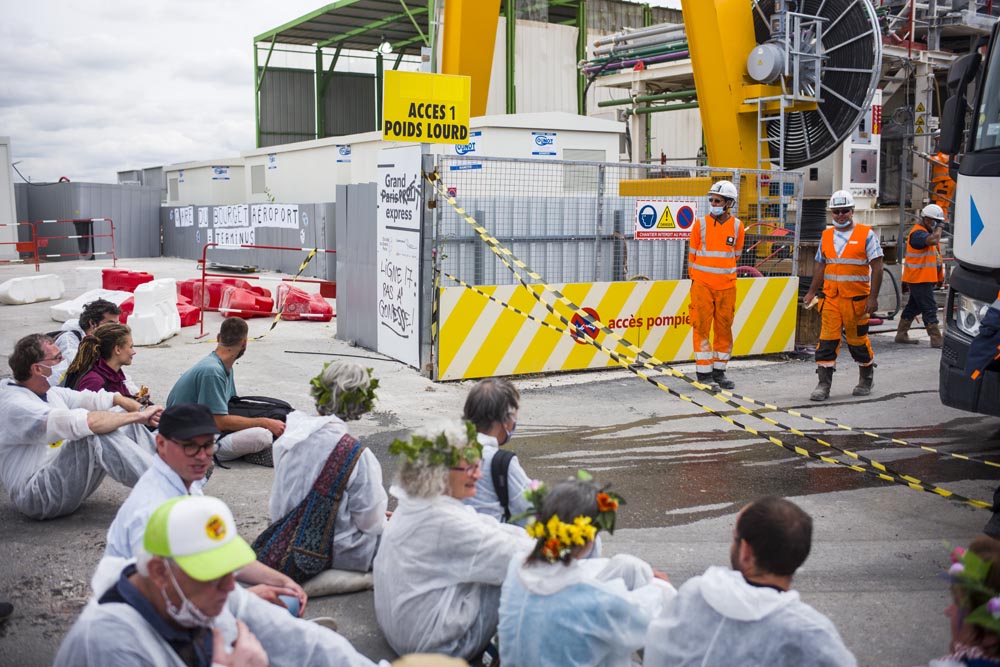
(714, 249)
(920, 266)
(847, 275)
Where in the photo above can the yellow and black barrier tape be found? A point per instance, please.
(508, 258)
(628, 363)
(870, 434)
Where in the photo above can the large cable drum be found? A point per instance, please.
(851, 47)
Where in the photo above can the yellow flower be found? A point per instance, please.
(535, 530)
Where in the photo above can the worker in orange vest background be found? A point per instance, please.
(715, 245)
(920, 275)
(849, 269)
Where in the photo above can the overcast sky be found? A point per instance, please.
(91, 88)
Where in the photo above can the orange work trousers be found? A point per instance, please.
(712, 312)
(848, 317)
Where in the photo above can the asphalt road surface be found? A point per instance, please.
(879, 548)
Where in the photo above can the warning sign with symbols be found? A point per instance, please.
(664, 219)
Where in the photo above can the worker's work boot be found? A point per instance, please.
(706, 378)
(822, 390)
(901, 332)
(866, 377)
(934, 331)
(721, 379)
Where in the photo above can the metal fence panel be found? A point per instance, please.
(577, 221)
(356, 264)
(133, 209)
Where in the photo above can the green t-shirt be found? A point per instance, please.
(208, 383)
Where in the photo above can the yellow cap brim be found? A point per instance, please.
(217, 563)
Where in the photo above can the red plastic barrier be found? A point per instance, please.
(189, 314)
(215, 287)
(181, 299)
(297, 304)
(124, 280)
(239, 302)
(127, 307)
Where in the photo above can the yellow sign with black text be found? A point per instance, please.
(426, 108)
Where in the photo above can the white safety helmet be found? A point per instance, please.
(933, 211)
(723, 188)
(841, 199)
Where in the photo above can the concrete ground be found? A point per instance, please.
(878, 548)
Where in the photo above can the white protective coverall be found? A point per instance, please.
(299, 455)
(157, 485)
(438, 573)
(115, 634)
(590, 613)
(50, 460)
(486, 500)
(718, 620)
(68, 343)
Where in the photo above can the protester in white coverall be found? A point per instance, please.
(492, 406)
(748, 615)
(56, 444)
(343, 391)
(439, 567)
(95, 313)
(178, 604)
(185, 443)
(560, 609)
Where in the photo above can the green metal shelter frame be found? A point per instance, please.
(360, 26)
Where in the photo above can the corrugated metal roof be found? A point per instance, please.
(363, 24)
(355, 24)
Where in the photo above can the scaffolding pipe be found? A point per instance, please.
(680, 55)
(666, 47)
(679, 95)
(664, 29)
(664, 107)
(639, 43)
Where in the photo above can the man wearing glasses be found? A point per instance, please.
(185, 444)
(849, 269)
(56, 444)
(715, 245)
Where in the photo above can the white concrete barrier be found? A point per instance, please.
(88, 277)
(29, 289)
(155, 317)
(67, 310)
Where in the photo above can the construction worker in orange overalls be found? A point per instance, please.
(920, 275)
(849, 269)
(716, 243)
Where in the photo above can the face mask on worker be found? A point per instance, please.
(510, 433)
(844, 224)
(717, 211)
(187, 615)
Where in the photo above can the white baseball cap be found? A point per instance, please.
(199, 534)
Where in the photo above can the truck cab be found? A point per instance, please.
(975, 280)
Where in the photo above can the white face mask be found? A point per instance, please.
(716, 211)
(843, 225)
(187, 615)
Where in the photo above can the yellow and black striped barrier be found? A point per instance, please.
(647, 361)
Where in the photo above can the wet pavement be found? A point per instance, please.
(878, 547)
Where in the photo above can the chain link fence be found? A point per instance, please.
(576, 221)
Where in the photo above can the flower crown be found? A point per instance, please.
(439, 451)
(968, 573)
(355, 401)
(557, 538)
